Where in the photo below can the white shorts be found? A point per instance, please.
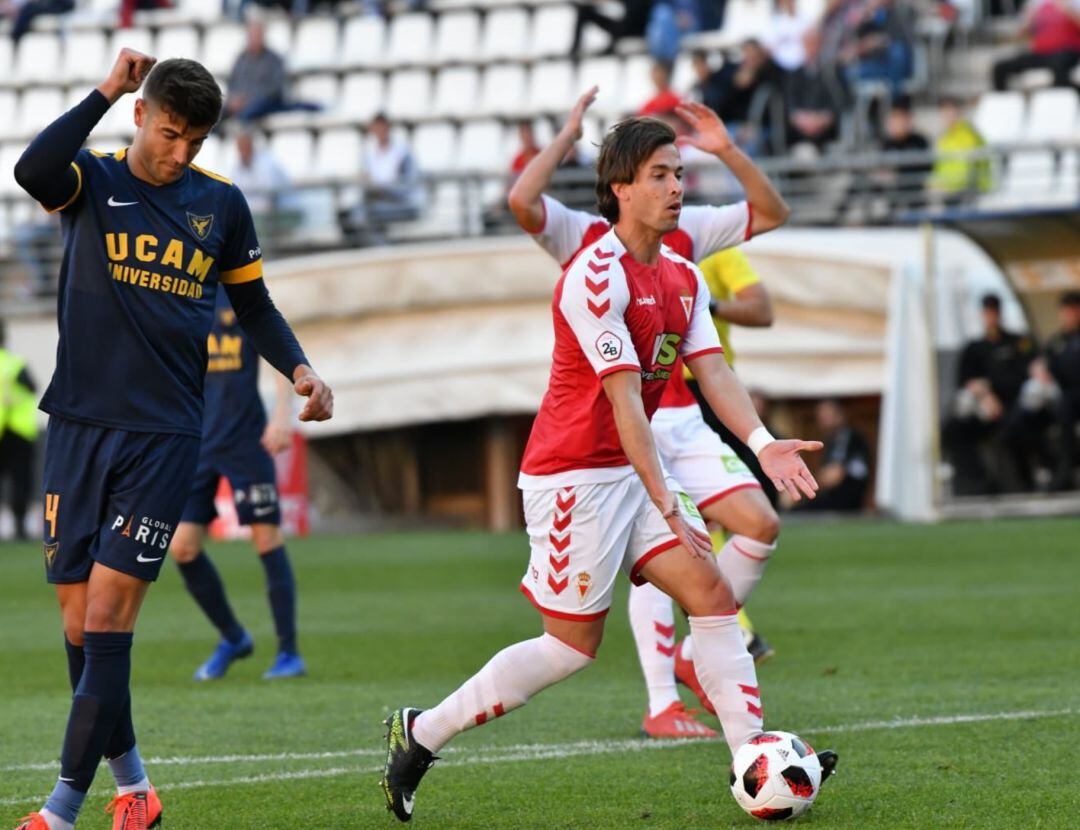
(581, 536)
(706, 467)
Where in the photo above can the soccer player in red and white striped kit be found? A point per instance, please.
(625, 311)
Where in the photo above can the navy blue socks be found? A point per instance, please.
(204, 584)
(281, 590)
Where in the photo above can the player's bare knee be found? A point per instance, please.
(713, 598)
(764, 525)
(73, 630)
(184, 551)
(266, 538)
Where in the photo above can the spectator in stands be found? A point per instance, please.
(257, 83)
(633, 23)
(992, 371)
(18, 432)
(734, 92)
(1052, 28)
(814, 98)
(665, 99)
(392, 191)
(22, 12)
(903, 182)
(669, 21)
(528, 148)
(37, 245)
(955, 176)
(785, 36)
(1063, 360)
(266, 185)
(129, 7)
(845, 475)
(881, 49)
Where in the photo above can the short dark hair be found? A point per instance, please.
(991, 301)
(626, 147)
(186, 89)
(1071, 298)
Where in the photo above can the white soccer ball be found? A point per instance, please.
(775, 776)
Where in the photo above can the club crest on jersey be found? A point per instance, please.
(200, 225)
(687, 304)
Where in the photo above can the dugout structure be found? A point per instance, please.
(1038, 254)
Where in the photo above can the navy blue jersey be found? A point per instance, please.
(138, 287)
(234, 413)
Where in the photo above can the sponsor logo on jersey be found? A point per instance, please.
(646, 300)
(154, 533)
(225, 353)
(191, 265)
(200, 225)
(609, 346)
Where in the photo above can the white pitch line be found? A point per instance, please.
(527, 752)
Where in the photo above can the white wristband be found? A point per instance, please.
(759, 439)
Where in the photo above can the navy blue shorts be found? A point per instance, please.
(251, 474)
(112, 496)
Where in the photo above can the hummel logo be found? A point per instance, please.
(113, 203)
(646, 300)
(141, 558)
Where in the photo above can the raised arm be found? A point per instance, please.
(45, 170)
(768, 208)
(750, 307)
(524, 197)
(623, 390)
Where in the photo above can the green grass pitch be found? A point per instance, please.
(941, 662)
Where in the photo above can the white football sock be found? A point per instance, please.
(742, 561)
(508, 680)
(140, 787)
(55, 822)
(653, 622)
(726, 671)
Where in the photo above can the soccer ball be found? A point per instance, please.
(775, 776)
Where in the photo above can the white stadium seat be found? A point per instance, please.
(177, 42)
(9, 102)
(552, 31)
(637, 83)
(480, 147)
(1053, 115)
(363, 42)
(456, 92)
(222, 44)
(338, 153)
(503, 90)
(551, 87)
(279, 35)
(208, 10)
(293, 150)
(37, 57)
(37, 108)
(138, 39)
(457, 37)
(410, 39)
(506, 35)
(606, 73)
(9, 155)
(118, 121)
(316, 44)
(745, 18)
(7, 57)
(435, 147)
(209, 157)
(84, 56)
(322, 89)
(409, 95)
(999, 117)
(361, 95)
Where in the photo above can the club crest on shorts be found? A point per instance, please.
(584, 583)
(200, 225)
(50, 554)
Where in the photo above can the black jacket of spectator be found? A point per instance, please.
(1063, 359)
(731, 102)
(1003, 362)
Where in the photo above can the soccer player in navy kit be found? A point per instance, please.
(148, 237)
(238, 442)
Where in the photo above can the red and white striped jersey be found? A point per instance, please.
(702, 232)
(611, 314)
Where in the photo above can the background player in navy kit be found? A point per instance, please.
(238, 442)
(147, 239)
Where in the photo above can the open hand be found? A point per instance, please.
(710, 134)
(127, 74)
(320, 403)
(781, 462)
(276, 438)
(573, 126)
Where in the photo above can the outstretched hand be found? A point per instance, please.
(781, 462)
(710, 133)
(573, 126)
(127, 74)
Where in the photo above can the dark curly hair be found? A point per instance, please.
(626, 147)
(186, 89)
